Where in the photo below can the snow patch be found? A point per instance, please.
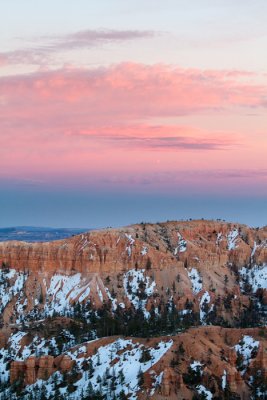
(224, 380)
(253, 251)
(118, 362)
(203, 307)
(100, 294)
(113, 300)
(232, 239)
(256, 276)
(246, 347)
(10, 288)
(195, 279)
(219, 238)
(129, 244)
(137, 285)
(182, 245)
(203, 391)
(195, 365)
(63, 291)
(144, 251)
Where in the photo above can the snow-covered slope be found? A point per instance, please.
(144, 280)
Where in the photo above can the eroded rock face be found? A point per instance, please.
(260, 362)
(183, 259)
(203, 346)
(39, 368)
(46, 367)
(17, 370)
(114, 250)
(30, 371)
(168, 381)
(232, 356)
(66, 363)
(197, 267)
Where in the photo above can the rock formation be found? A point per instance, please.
(207, 272)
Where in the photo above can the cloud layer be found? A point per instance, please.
(47, 46)
(132, 91)
(100, 122)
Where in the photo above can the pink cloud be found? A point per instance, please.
(156, 137)
(130, 91)
(3, 60)
(99, 122)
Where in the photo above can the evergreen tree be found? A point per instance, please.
(121, 377)
(140, 378)
(122, 395)
(145, 356)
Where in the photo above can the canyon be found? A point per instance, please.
(171, 310)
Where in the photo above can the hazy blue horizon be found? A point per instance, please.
(81, 209)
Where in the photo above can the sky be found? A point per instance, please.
(115, 112)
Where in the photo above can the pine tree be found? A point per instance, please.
(122, 395)
(148, 264)
(140, 377)
(145, 356)
(90, 368)
(89, 391)
(121, 377)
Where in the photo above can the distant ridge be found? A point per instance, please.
(38, 234)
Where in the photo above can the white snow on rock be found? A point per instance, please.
(256, 276)
(64, 290)
(144, 251)
(232, 238)
(185, 312)
(219, 238)
(38, 346)
(4, 365)
(196, 365)
(15, 339)
(129, 244)
(84, 295)
(253, 251)
(100, 294)
(224, 380)
(82, 244)
(125, 356)
(20, 307)
(11, 284)
(118, 363)
(130, 239)
(182, 245)
(8, 273)
(195, 279)
(113, 300)
(261, 245)
(205, 299)
(132, 281)
(203, 391)
(157, 379)
(246, 347)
